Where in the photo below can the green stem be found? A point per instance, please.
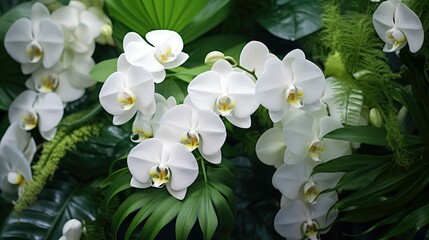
(247, 70)
(204, 169)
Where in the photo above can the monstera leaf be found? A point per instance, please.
(62, 199)
(292, 19)
(209, 200)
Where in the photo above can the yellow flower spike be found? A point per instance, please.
(159, 176)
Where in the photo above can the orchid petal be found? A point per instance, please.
(179, 194)
(179, 60)
(159, 77)
(222, 67)
(327, 125)
(17, 38)
(109, 92)
(16, 136)
(135, 183)
(17, 161)
(253, 57)
(293, 159)
(383, 19)
(271, 85)
(183, 166)
(277, 116)
(178, 119)
(93, 22)
(298, 133)
(411, 26)
(288, 220)
(242, 89)
(49, 134)
(132, 37)
(204, 89)
(66, 91)
(334, 148)
(122, 64)
(38, 13)
(52, 40)
(28, 68)
(212, 131)
(310, 78)
(319, 211)
(288, 179)
(244, 122)
(270, 147)
(159, 37)
(22, 104)
(214, 158)
(141, 83)
(125, 116)
(50, 109)
(143, 157)
(67, 17)
(141, 54)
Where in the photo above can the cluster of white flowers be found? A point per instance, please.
(55, 49)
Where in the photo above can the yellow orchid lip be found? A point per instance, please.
(315, 149)
(15, 178)
(126, 99)
(48, 83)
(225, 104)
(29, 120)
(159, 176)
(310, 229)
(294, 96)
(310, 191)
(34, 52)
(190, 139)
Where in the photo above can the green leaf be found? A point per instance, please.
(187, 74)
(10, 16)
(292, 19)
(62, 199)
(363, 134)
(172, 87)
(103, 69)
(213, 13)
(349, 163)
(155, 208)
(82, 117)
(142, 16)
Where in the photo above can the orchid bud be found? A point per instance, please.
(375, 118)
(72, 230)
(212, 57)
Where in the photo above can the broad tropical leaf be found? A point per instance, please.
(62, 199)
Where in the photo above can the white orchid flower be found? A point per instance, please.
(164, 51)
(228, 93)
(127, 91)
(194, 129)
(35, 42)
(296, 183)
(300, 220)
(161, 161)
(146, 125)
(294, 81)
(396, 24)
(31, 109)
(78, 35)
(54, 80)
(17, 149)
(253, 57)
(76, 67)
(72, 230)
(304, 134)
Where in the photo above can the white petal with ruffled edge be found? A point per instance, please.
(270, 147)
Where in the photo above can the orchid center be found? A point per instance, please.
(396, 37)
(141, 134)
(163, 53)
(126, 99)
(15, 178)
(310, 229)
(48, 83)
(159, 176)
(34, 52)
(225, 104)
(29, 120)
(294, 96)
(315, 149)
(310, 191)
(190, 139)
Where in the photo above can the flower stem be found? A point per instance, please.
(204, 169)
(247, 70)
